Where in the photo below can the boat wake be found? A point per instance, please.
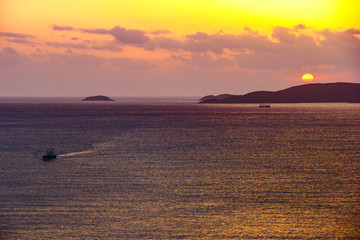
(73, 154)
(98, 147)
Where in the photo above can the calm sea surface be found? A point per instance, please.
(174, 169)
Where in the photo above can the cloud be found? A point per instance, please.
(284, 35)
(72, 60)
(129, 36)
(15, 35)
(76, 60)
(347, 37)
(163, 42)
(123, 35)
(340, 49)
(10, 57)
(9, 51)
(107, 45)
(160, 32)
(204, 60)
(129, 64)
(60, 28)
(215, 43)
(67, 45)
(250, 50)
(96, 31)
(199, 36)
(20, 40)
(199, 42)
(283, 49)
(299, 27)
(96, 45)
(251, 31)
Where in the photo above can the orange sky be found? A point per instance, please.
(152, 48)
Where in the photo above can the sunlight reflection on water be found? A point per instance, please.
(180, 171)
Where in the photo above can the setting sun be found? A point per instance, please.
(307, 77)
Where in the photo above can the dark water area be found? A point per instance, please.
(174, 169)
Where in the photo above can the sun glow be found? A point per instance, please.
(209, 16)
(274, 12)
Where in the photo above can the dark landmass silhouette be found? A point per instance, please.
(308, 93)
(218, 97)
(97, 98)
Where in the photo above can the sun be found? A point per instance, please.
(307, 77)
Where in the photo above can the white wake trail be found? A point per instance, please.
(65, 155)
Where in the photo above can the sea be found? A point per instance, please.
(170, 168)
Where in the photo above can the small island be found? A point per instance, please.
(308, 93)
(97, 98)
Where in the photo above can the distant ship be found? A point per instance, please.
(49, 155)
(264, 105)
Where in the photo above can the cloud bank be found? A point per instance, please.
(284, 49)
(203, 60)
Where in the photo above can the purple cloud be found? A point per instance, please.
(343, 46)
(198, 36)
(9, 51)
(284, 35)
(10, 57)
(165, 43)
(107, 45)
(96, 31)
(250, 50)
(123, 35)
(60, 28)
(15, 35)
(160, 32)
(299, 27)
(20, 40)
(129, 64)
(340, 50)
(129, 36)
(251, 31)
(74, 60)
(204, 60)
(67, 45)
(215, 43)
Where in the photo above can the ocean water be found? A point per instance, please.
(174, 169)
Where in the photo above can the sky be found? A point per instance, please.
(174, 48)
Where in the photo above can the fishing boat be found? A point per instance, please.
(264, 105)
(49, 154)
